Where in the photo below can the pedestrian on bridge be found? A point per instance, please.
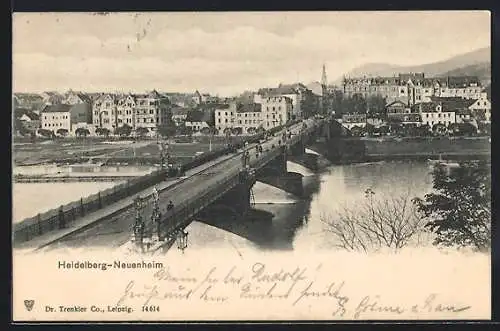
(170, 205)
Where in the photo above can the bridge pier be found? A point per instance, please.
(308, 160)
(298, 149)
(290, 182)
(238, 198)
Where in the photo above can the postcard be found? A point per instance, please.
(251, 166)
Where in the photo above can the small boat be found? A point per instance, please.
(446, 163)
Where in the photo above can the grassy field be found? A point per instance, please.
(49, 151)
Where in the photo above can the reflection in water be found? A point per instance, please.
(279, 220)
(297, 224)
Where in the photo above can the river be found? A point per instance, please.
(282, 221)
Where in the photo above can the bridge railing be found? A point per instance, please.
(182, 214)
(64, 215)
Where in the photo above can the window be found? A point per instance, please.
(219, 120)
(226, 120)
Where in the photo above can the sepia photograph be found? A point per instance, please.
(256, 166)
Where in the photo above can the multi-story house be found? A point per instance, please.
(125, 111)
(104, 112)
(245, 118)
(225, 117)
(276, 111)
(481, 109)
(298, 93)
(151, 110)
(55, 117)
(249, 117)
(433, 113)
(414, 88)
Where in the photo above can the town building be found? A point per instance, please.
(481, 109)
(55, 117)
(204, 98)
(30, 121)
(104, 111)
(52, 98)
(31, 101)
(198, 121)
(433, 113)
(179, 114)
(276, 111)
(351, 120)
(244, 118)
(151, 111)
(125, 111)
(298, 93)
(412, 88)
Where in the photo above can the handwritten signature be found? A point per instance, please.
(261, 282)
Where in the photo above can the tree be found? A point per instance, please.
(46, 133)
(167, 130)
(82, 132)
(467, 129)
(370, 129)
(424, 130)
(454, 129)
(123, 131)
(102, 132)
(62, 132)
(387, 222)
(357, 131)
(459, 209)
(141, 131)
(376, 106)
(439, 129)
(384, 130)
(184, 130)
(484, 128)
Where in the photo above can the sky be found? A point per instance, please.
(227, 53)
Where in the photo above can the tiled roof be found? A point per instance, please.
(426, 107)
(395, 103)
(248, 107)
(32, 115)
(180, 111)
(58, 108)
(452, 104)
(462, 81)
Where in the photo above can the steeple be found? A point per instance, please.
(324, 80)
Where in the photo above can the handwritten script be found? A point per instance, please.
(297, 287)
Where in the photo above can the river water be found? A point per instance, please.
(298, 224)
(282, 221)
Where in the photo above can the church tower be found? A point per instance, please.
(324, 90)
(324, 79)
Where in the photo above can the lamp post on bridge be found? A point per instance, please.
(139, 225)
(156, 215)
(182, 240)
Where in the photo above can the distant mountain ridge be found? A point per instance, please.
(475, 63)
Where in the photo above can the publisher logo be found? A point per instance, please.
(29, 304)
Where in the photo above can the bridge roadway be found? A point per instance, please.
(116, 231)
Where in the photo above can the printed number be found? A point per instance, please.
(150, 309)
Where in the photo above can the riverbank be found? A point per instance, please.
(347, 150)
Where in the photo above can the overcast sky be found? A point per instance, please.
(226, 53)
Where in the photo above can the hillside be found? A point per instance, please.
(481, 70)
(472, 63)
